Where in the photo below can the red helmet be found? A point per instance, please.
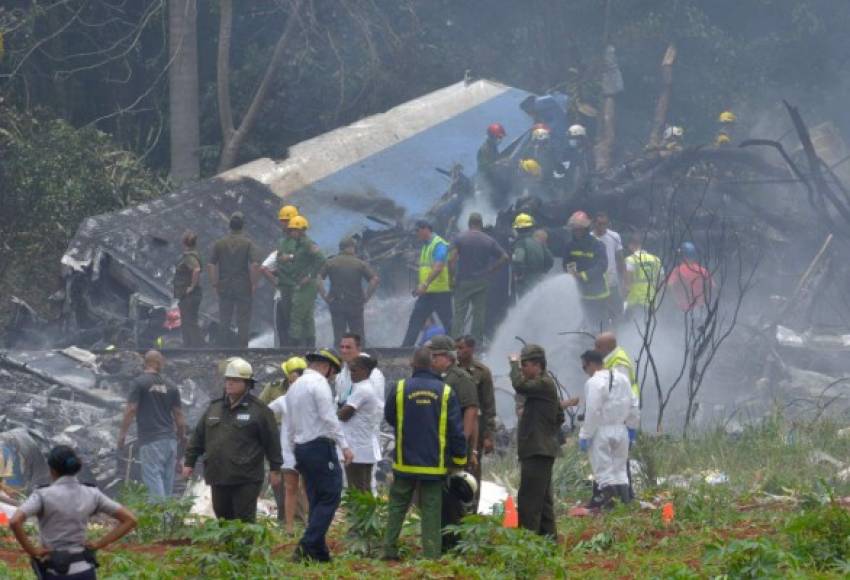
(496, 130)
(172, 319)
(579, 220)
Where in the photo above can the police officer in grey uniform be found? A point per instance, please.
(63, 509)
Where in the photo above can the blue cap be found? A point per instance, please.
(688, 249)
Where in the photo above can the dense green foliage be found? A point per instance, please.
(735, 529)
(104, 63)
(54, 175)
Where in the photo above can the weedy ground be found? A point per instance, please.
(764, 503)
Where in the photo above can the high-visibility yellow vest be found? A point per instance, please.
(620, 358)
(426, 264)
(645, 278)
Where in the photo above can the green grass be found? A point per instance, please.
(779, 515)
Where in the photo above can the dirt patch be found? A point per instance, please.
(156, 548)
(13, 557)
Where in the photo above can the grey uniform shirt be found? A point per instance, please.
(63, 510)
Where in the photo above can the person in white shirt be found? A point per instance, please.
(361, 416)
(609, 411)
(294, 497)
(616, 263)
(314, 432)
(281, 321)
(349, 349)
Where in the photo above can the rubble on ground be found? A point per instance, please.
(76, 397)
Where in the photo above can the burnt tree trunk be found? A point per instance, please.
(663, 104)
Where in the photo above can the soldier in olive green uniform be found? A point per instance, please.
(444, 364)
(187, 290)
(483, 379)
(346, 299)
(233, 271)
(531, 260)
(236, 435)
(299, 262)
(537, 439)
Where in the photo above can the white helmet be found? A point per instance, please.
(239, 368)
(577, 131)
(540, 134)
(463, 486)
(673, 131)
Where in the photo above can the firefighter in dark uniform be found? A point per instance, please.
(234, 271)
(586, 259)
(483, 379)
(537, 439)
(187, 289)
(425, 414)
(444, 363)
(236, 435)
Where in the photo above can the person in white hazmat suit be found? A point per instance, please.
(611, 415)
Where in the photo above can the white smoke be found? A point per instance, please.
(553, 306)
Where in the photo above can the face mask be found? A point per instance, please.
(573, 143)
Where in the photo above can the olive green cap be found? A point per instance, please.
(441, 343)
(532, 352)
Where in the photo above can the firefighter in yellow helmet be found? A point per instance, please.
(285, 214)
(726, 120)
(299, 261)
(531, 259)
(531, 167)
(269, 270)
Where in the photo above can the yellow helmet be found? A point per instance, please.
(239, 368)
(727, 117)
(522, 221)
(722, 139)
(287, 212)
(531, 166)
(299, 222)
(292, 364)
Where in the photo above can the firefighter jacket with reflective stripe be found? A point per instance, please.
(591, 262)
(618, 358)
(426, 264)
(428, 427)
(646, 274)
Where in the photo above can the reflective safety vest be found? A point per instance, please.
(646, 274)
(420, 414)
(426, 264)
(589, 256)
(620, 358)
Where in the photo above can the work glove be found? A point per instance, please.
(584, 445)
(632, 435)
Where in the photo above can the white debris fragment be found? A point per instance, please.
(818, 456)
(788, 337)
(86, 357)
(715, 478)
(492, 494)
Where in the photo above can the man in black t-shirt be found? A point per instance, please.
(160, 424)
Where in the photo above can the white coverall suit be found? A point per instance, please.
(610, 407)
